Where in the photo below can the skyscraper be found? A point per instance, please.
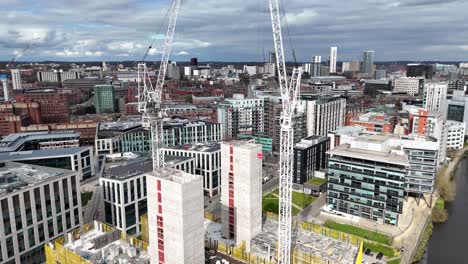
(434, 93)
(333, 56)
(272, 57)
(316, 61)
(16, 79)
(4, 81)
(367, 61)
(104, 98)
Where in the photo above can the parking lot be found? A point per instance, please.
(370, 257)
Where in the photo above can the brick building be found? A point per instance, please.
(15, 115)
(54, 106)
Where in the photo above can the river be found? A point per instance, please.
(449, 241)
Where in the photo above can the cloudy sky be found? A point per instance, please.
(234, 30)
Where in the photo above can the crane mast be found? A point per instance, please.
(150, 98)
(289, 97)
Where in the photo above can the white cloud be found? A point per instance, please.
(182, 53)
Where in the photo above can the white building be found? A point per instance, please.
(175, 211)
(432, 124)
(434, 93)
(251, 70)
(16, 79)
(333, 56)
(37, 204)
(455, 134)
(239, 115)
(241, 191)
(409, 85)
(57, 76)
(456, 109)
(6, 91)
(207, 163)
(324, 115)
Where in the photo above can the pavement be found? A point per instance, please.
(94, 208)
(310, 213)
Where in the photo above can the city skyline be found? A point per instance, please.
(122, 30)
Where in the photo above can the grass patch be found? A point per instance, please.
(422, 245)
(316, 181)
(389, 252)
(439, 214)
(360, 232)
(85, 197)
(395, 261)
(272, 205)
(301, 199)
(270, 202)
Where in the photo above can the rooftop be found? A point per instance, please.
(41, 153)
(390, 157)
(209, 147)
(15, 176)
(13, 142)
(173, 175)
(310, 141)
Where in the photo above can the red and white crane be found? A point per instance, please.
(149, 97)
(289, 98)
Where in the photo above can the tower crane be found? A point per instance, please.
(289, 98)
(149, 97)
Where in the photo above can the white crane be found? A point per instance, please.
(289, 97)
(149, 98)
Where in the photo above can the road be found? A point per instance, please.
(310, 213)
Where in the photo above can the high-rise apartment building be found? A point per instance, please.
(316, 66)
(175, 214)
(16, 79)
(239, 115)
(272, 119)
(368, 62)
(104, 99)
(434, 93)
(241, 191)
(333, 57)
(4, 83)
(37, 204)
(324, 115)
(432, 124)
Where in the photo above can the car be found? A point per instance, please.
(402, 249)
(367, 251)
(379, 256)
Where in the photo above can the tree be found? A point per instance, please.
(189, 99)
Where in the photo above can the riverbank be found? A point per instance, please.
(446, 190)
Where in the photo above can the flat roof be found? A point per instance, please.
(174, 175)
(310, 141)
(380, 156)
(209, 147)
(13, 141)
(41, 153)
(15, 176)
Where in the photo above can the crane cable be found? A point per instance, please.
(156, 35)
(289, 34)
